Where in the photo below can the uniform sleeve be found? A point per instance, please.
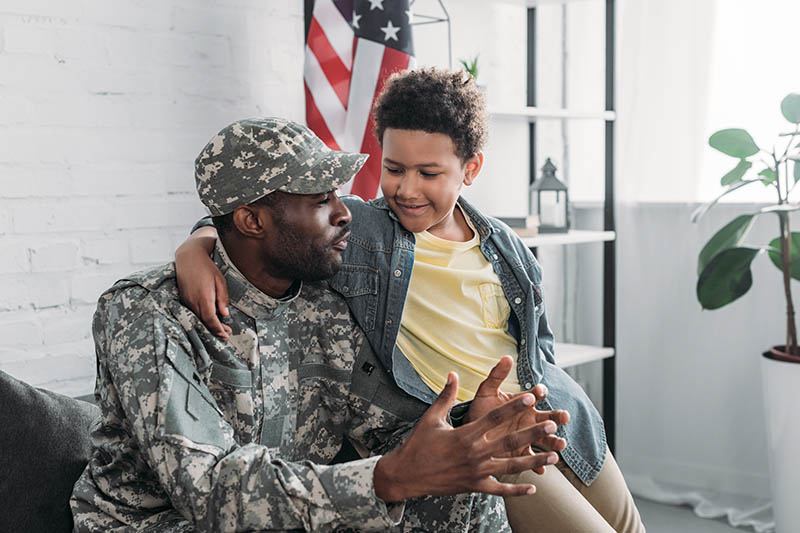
(184, 439)
(203, 222)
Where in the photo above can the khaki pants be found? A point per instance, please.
(563, 504)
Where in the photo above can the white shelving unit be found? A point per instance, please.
(568, 355)
(574, 236)
(533, 113)
(510, 114)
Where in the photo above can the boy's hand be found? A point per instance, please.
(201, 285)
(438, 459)
(489, 396)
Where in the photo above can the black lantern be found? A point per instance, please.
(550, 201)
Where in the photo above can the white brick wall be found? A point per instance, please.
(103, 107)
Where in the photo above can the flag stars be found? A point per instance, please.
(390, 31)
(356, 18)
(373, 4)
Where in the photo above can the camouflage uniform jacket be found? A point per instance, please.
(200, 434)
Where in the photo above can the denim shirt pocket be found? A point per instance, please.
(359, 285)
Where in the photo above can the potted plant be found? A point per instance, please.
(470, 66)
(724, 275)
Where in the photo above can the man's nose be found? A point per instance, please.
(341, 214)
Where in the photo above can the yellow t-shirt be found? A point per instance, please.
(455, 316)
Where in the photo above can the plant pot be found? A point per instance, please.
(780, 374)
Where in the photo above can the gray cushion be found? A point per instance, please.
(44, 446)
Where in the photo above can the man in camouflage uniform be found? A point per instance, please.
(198, 434)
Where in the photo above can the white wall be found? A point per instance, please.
(690, 395)
(103, 108)
(689, 386)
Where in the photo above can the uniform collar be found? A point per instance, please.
(245, 296)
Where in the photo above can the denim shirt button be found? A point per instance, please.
(494, 256)
(398, 273)
(517, 300)
(522, 342)
(389, 322)
(528, 385)
(346, 288)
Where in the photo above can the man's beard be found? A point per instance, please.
(296, 260)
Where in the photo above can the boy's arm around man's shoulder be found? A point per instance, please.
(180, 434)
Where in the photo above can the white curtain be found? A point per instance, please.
(690, 422)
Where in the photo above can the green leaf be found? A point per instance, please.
(471, 66)
(790, 107)
(794, 254)
(698, 213)
(726, 277)
(728, 237)
(736, 174)
(734, 142)
(769, 176)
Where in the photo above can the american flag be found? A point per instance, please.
(352, 46)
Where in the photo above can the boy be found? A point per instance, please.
(438, 287)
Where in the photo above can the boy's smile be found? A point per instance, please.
(421, 179)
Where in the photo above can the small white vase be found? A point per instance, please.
(781, 383)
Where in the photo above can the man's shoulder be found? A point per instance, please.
(140, 292)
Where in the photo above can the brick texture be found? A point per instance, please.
(103, 109)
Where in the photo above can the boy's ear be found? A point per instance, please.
(472, 168)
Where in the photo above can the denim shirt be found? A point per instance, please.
(374, 278)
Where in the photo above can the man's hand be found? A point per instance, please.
(489, 396)
(202, 286)
(438, 459)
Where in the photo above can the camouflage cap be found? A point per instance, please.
(252, 158)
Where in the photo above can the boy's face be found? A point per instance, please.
(421, 177)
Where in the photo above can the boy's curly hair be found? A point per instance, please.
(435, 101)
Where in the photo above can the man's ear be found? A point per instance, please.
(252, 221)
(472, 168)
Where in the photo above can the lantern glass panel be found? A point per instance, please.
(553, 208)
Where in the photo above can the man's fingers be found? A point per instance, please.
(537, 434)
(497, 375)
(495, 417)
(540, 391)
(558, 416)
(492, 486)
(552, 442)
(515, 465)
(440, 407)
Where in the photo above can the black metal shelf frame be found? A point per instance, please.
(609, 247)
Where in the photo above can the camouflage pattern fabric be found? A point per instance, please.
(252, 158)
(198, 434)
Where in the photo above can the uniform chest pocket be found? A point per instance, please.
(359, 285)
(494, 305)
(232, 388)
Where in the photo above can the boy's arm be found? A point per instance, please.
(201, 284)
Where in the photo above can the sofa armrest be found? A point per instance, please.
(45, 446)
